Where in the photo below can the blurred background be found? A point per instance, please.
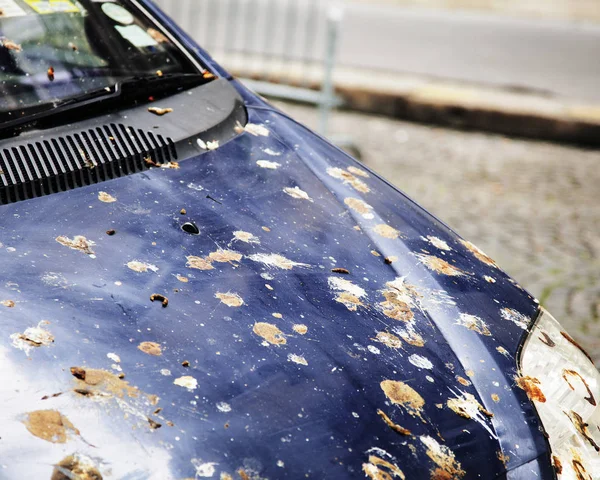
(486, 112)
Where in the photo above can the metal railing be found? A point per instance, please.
(279, 48)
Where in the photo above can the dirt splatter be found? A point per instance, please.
(489, 279)
(269, 333)
(32, 337)
(532, 389)
(277, 315)
(582, 428)
(566, 374)
(478, 253)
(463, 381)
(49, 425)
(151, 348)
(388, 340)
(395, 427)
(297, 193)
(440, 266)
(106, 197)
(256, 130)
(299, 359)
(212, 145)
(230, 299)
(224, 256)
(420, 361)
(159, 111)
(78, 242)
(274, 260)
(361, 207)
(412, 338)
(399, 300)
(467, 406)
(358, 171)
(503, 351)
(351, 302)
(171, 165)
(246, 237)
(8, 303)
(343, 271)
(186, 382)
(516, 317)
(141, 267)
(268, 165)
(438, 243)
(557, 464)
(474, 323)
(350, 293)
(198, 263)
(375, 253)
(448, 467)
(495, 397)
(349, 178)
(182, 278)
(101, 383)
(401, 394)
(76, 467)
(386, 231)
(300, 329)
(380, 469)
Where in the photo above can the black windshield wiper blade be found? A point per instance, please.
(134, 86)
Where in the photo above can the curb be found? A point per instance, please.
(408, 97)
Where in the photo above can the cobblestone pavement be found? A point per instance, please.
(534, 207)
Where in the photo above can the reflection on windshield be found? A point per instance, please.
(55, 49)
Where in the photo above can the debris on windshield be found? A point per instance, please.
(297, 193)
(161, 298)
(159, 111)
(106, 197)
(77, 243)
(10, 45)
(50, 73)
(157, 36)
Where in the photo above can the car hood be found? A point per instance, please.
(319, 323)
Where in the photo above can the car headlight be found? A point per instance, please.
(564, 385)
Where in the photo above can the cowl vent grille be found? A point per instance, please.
(89, 156)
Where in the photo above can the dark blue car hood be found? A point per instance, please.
(271, 361)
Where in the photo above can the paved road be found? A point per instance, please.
(532, 206)
(562, 58)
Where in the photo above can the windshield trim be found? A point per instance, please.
(191, 57)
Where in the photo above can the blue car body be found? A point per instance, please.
(319, 325)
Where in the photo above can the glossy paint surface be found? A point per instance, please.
(319, 325)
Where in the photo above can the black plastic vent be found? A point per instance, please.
(83, 158)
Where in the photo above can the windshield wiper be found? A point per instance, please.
(130, 88)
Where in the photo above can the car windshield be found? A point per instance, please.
(52, 50)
